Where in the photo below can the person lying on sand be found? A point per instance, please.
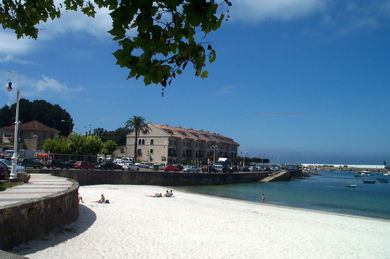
(156, 195)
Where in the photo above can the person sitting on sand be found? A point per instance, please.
(102, 199)
(171, 193)
(167, 194)
(80, 199)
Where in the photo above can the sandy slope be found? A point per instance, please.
(195, 226)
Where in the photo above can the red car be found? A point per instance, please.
(83, 165)
(171, 168)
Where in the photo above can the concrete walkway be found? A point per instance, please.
(40, 185)
(281, 176)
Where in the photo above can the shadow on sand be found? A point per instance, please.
(86, 219)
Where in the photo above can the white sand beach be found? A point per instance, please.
(196, 226)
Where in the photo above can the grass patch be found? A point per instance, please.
(6, 185)
(70, 229)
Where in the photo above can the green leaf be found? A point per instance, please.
(204, 74)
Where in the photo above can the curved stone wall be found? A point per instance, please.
(23, 221)
(91, 177)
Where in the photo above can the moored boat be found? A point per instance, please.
(369, 181)
(361, 174)
(351, 186)
(383, 180)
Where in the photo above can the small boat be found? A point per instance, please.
(361, 174)
(351, 186)
(369, 181)
(383, 180)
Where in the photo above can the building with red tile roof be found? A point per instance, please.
(167, 144)
(32, 134)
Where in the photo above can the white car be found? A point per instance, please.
(130, 167)
(143, 164)
(127, 159)
(19, 169)
(191, 169)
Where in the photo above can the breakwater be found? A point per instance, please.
(91, 177)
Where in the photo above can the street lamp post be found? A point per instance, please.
(243, 157)
(14, 158)
(214, 147)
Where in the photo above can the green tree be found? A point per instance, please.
(58, 144)
(108, 147)
(51, 115)
(118, 135)
(166, 34)
(93, 145)
(137, 124)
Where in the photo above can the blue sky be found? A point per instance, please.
(305, 80)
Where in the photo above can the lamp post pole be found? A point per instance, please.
(243, 157)
(14, 158)
(214, 147)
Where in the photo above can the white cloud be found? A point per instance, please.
(32, 87)
(10, 45)
(225, 90)
(71, 21)
(10, 58)
(260, 10)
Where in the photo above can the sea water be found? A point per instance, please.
(325, 192)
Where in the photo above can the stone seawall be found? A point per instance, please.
(23, 221)
(91, 177)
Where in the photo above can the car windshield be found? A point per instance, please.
(7, 162)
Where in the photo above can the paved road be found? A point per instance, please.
(40, 185)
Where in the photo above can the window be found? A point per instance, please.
(143, 142)
(151, 142)
(139, 152)
(139, 141)
(172, 152)
(151, 151)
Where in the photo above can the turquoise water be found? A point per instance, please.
(324, 192)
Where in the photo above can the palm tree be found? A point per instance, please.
(136, 125)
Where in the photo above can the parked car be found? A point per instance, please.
(245, 169)
(84, 165)
(144, 164)
(219, 168)
(232, 169)
(178, 166)
(30, 162)
(55, 163)
(211, 169)
(8, 164)
(191, 169)
(109, 165)
(171, 168)
(130, 167)
(127, 159)
(70, 163)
